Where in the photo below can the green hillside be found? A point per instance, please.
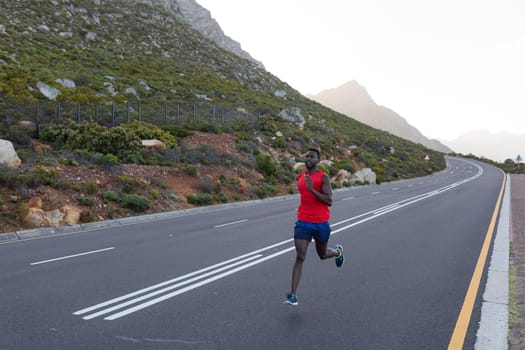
(120, 52)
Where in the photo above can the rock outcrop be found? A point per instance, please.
(8, 156)
(200, 19)
(37, 217)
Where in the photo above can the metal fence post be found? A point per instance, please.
(165, 114)
(140, 110)
(58, 112)
(193, 108)
(37, 119)
(177, 121)
(113, 113)
(96, 112)
(78, 113)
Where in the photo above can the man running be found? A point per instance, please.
(312, 219)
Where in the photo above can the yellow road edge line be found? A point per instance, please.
(460, 330)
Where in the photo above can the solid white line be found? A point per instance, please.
(386, 208)
(230, 223)
(144, 290)
(347, 198)
(196, 285)
(133, 301)
(72, 256)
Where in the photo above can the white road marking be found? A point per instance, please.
(196, 285)
(395, 205)
(72, 256)
(215, 272)
(395, 189)
(375, 193)
(230, 223)
(160, 291)
(347, 198)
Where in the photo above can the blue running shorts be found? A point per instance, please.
(307, 230)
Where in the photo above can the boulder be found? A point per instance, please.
(71, 214)
(35, 202)
(342, 178)
(156, 144)
(34, 217)
(50, 92)
(54, 218)
(8, 155)
(364, 175)
(293, 115)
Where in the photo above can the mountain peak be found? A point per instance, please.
(349, 90)
(200, 19)
(353, 100)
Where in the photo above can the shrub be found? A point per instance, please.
(344, 164)
(135, 202)
(40, 176)
(93, 137)
(110, 196)
(129, 184)
(8, 177)
(177, 131)
(86, 216)
(265, 190)
(86, 201)
(200, 198)
(265, 165)
(91, 187)
(68, 161)
(146, 131)
(206, 185)
(154, 194)
(107, 160)
(222, 197)
(191, 170)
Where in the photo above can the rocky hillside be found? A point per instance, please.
(87, 54)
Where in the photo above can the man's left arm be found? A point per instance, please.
(326, 195)
(327, 190)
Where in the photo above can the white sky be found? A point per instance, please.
(446, 66)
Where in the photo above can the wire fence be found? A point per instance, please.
(111, 114)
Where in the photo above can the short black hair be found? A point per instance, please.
(316, 151)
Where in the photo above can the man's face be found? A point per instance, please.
(311, 159)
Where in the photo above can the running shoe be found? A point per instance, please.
(340, 258)
(291, 299)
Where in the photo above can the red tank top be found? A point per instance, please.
(312, 209)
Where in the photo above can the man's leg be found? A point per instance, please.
(301, 246)
(324, 252)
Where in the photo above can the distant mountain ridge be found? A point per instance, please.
(353, 100)
(482, 143)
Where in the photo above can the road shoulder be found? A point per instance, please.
(517, 263)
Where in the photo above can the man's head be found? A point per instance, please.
(312, 158)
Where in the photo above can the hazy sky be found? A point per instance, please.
(446, 66)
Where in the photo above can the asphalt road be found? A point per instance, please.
(216, 279)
